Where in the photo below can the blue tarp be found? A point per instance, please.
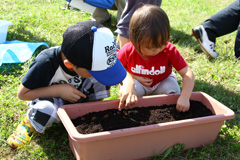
(18, 51)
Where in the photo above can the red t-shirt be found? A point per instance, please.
(156, 67)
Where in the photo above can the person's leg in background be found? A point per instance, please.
(123, 24)
(102, 15)
(221, 23)
(237, 44)
(120, 5)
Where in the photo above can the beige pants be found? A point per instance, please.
(101, 15)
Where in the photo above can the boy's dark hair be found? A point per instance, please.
(149, 24)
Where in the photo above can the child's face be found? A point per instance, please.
(81, 72)
(150, 50)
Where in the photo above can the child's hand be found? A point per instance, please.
(69, 93)
(147, 82)
(183, 104)
(127, 97)
(127, 92)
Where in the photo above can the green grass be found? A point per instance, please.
(44, 21)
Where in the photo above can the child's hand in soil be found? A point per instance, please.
(183, 104)
(127, 98)
(127, 92)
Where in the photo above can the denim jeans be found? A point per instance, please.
(224, 22)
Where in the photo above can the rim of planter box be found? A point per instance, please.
(75, 135)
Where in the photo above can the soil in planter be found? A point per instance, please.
(113, 119)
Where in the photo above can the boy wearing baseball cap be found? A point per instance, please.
(82, 69)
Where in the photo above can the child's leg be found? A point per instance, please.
(139, 88)
(43, 113)
(168, 86)
(22, 134)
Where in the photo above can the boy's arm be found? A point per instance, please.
(183, 102)
(66, 91)
(127, 92)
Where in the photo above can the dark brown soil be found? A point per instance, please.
(113, 119)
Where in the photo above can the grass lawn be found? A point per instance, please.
(44, 21)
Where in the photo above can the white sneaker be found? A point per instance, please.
(207, 46)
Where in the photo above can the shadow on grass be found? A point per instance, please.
(15, 68)
(10, 70)
(226, 147)
(21, 34)
(224, 96)
(185, 40)
(55, 143)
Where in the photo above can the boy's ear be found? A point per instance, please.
(68, 64)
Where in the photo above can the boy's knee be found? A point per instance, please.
(42, 115)
(44, 106)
